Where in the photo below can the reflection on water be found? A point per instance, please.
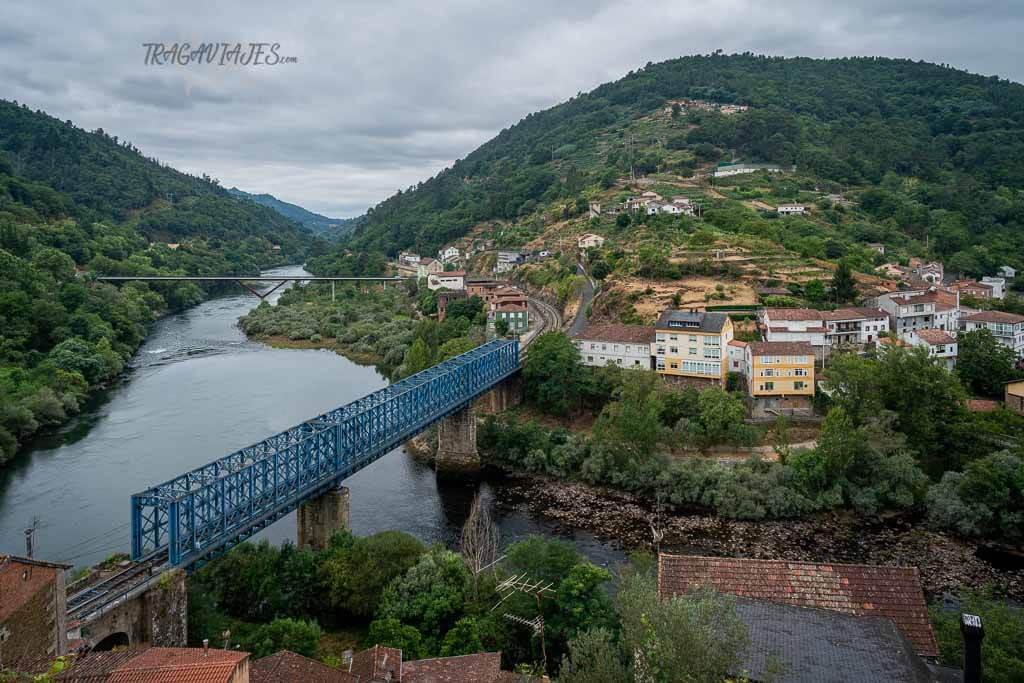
(195, 391)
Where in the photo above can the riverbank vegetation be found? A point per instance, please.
(897, 438)
(74, 204)
(390, 589)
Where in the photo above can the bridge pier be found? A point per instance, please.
(318, 519)
(456, 443)
(502, 397)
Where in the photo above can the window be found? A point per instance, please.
(673, 337)
(590, 359)
(798, 386)
(636, 362)
(768, 372)
(674, 350)
(661, 364)
(593, 346)
(712, 353)
(800, 372)
(619, 361)
(693, 338)
(628, 349)
(604, 347)
(615, 348)
(693, 350)
(661, 350)
(768, 386)
(675, 366)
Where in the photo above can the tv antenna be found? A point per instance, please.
(521, 583)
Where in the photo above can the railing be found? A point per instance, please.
(210, 509)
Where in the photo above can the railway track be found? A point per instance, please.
(114, 587)
(550, 319)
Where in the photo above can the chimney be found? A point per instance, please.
(206, 647)
(973, 633)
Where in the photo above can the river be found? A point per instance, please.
(197, 390)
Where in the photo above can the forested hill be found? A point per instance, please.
(73, 204)
(327, 227)
(959, 136)
(97, 177)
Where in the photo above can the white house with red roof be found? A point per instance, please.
(941, 345)
(1008, 328)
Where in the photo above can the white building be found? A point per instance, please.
(998, 285)
(791, 209)
(589, 241)
(941, 345)
(427, 265)
(1008, 328)
(726, 170)
(824, 330)
(449, 254)
(407, 258)
(627, 346)
(737, 351)
(455, 279)
(930, 309)
(507, 260)
(1007, 272)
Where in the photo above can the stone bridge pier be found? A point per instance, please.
(456, 435)
(318, 519)
(157, 616)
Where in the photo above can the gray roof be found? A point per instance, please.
(693, 320)
(821, 646)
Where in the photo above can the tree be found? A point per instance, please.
(355, 570)
(393, 633)
(600, 269)
(501, 327)
(594, 657)
(480, 539)
(983, 364)
(985, 500)
(695, 637)
(418, 358)
(631, 426)
(552, 377)
(1002, 651)
(297, 635)
(461, 639)
(431, 596)
(843, 282)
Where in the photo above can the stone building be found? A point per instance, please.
(33, 611)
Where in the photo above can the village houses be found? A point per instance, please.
(590, 241)
(627, 346)
(507, 260)
(1007, 328)
(692, 345)
(449, 254)
(824, 330)
(941, 345)
(932, 308)
(427, 266)
(791, 209)
(780, 377)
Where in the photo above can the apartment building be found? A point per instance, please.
(627, 346)
(930, 309)
(941, 345)
(692, 345)
(515, 313)
(780, 377)
(857, 327)
(1008, 328)
(507, 260)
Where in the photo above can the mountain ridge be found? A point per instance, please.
(318, 223)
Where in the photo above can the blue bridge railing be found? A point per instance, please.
(210, 509)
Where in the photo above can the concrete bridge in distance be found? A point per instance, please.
(185, 522)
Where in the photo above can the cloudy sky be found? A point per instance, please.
(384, 94)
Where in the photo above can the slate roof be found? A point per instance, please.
(781, 348)
(484, 667)
(288, 667)
(628, 334)
(816, 645)
(863, 590)
(704, 321)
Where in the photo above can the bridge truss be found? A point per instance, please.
(207, 511)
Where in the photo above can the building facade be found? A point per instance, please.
(931, 309)
(516, 315)
(427, 265)
(589, 241)
(33, 611)
(780, 377)
(692, 345)
(626, 346)
(455, 279)
(1007, 328)
(791, 209)
(941, 345)
(1014, 396)
(449, 254)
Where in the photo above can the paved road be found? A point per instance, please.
(580, 321)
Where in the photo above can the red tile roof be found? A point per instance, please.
(863, 590)
(288, 667)
(377, 663)
(628, 334)
(156, 665)
(855, 313)
(452, 273)
(484, 667)
(793, 314)
(934, 337)
(981, 405)
(996, 317)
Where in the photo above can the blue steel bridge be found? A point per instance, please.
(196, 516)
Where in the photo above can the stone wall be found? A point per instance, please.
(318, 519)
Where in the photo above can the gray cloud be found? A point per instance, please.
(386, 94)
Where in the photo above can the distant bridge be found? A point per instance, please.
(242, 280)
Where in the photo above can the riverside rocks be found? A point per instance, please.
(946, 563)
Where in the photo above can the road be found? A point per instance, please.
(580, 321)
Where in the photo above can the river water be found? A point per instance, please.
(197, 390)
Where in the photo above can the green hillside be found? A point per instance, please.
(331, 228)
(935, 153)
(73, 204)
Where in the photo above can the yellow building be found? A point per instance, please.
(692, 344)
(780, 376)
(1015, 396)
